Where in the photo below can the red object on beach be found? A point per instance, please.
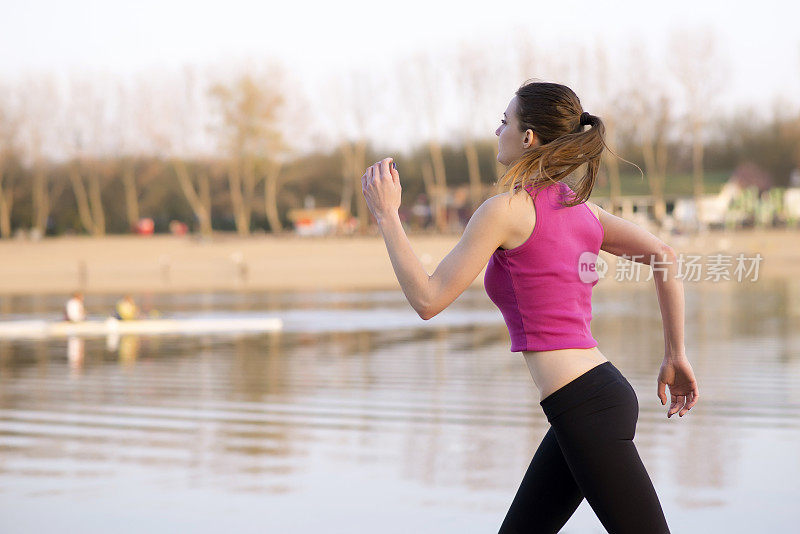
(145, 226)
(178, 228)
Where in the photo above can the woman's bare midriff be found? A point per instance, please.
(552, 369)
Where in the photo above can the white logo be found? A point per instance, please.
(591, 267)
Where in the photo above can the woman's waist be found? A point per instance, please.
(552, 369)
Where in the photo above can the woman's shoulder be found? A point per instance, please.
(595, 209)
(514, 198)
(518, 214)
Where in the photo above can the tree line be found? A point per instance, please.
(236, 152)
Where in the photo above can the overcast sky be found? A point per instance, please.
(761, 40)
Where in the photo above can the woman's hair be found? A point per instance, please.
(553, 111)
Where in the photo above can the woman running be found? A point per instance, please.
(539, 249)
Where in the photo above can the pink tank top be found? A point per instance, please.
(544, 286)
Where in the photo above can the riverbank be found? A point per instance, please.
(135, 264)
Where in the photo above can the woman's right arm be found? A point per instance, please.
(622, 237)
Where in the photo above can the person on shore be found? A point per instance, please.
(126, 309)
(539, 242)
(74, 310)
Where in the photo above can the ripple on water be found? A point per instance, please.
(370, 413)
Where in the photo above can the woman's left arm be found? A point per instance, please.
(430, 294)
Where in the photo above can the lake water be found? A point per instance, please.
(361, 417)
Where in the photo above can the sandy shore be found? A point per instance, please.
(135, 264)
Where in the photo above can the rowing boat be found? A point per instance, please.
(112, 326)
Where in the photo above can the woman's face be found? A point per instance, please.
(512, 143)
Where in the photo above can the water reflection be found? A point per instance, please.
(76, 349)
(383, 425)
(126, 347)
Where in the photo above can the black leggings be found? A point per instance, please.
(588, 452)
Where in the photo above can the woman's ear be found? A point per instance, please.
(531, 139)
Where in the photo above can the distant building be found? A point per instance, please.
(749, 174)
(748, 197)
(791, 203)
(714, 209)
(794, 178)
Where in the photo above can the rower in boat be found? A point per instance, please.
(74, 311)
(126, 309)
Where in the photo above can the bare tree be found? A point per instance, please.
(425, 84)
(609, 112)
(474, 77)
(188, 120)
(654, 149)
(173, 131)
(85, 127)
(200, 199)
(651, 109)
(249, 112)
(700, 71)
(134, 179)
(272, 171)
(131, 139)
(39, 107)
(353, 165)
(8, 138)
(349, 110)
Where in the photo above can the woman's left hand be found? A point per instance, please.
(381, 187)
